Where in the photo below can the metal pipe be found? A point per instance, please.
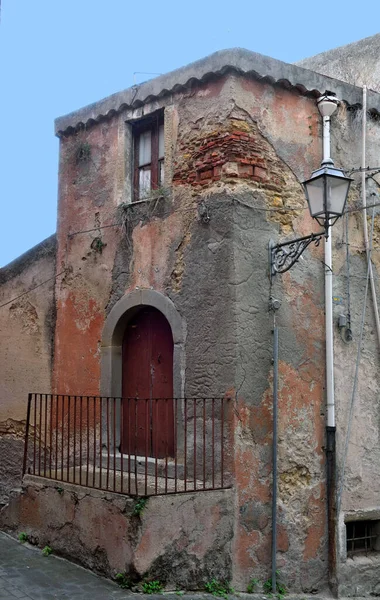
(326, 110)
(364, 203)
(274, 469)
(331, 503)
(326, 141)
(330, 398)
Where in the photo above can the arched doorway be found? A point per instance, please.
(147, 381)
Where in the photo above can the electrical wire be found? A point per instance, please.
(233, 198)
(33, 288)
(356, 375)
(348, 275)
(251, 206)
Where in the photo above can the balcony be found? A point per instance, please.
(132, 446)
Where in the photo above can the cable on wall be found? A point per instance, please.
(356, 375)
(33, 288)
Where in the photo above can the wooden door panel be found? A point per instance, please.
(148, 426)
(162, 385)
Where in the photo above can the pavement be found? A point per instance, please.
(26, 574)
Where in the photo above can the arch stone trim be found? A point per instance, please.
(112, 338)
(143, 298)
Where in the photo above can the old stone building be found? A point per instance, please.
(156, 287)
(356, 63)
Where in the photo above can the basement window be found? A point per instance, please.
(362, 537)
(148, 136)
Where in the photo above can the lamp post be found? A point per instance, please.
(326, 194)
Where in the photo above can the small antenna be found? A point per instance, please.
(139, 73)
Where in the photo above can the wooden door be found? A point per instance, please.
(148, 423)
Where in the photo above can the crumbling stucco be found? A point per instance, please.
(181, 540)
(237, 148)
(26, 330)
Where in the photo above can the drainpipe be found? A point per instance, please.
(327, 105)
(275, 306)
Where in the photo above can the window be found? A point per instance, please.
(362, 537)
(148, 156)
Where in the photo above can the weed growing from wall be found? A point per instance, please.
(218, 588)
(123, 581)
(280, 587)
(152, 587)
(83, 153)
(252, 586)
(47, 551)
(139, 507)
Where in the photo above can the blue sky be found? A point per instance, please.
(59, 55)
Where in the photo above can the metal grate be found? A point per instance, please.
(361, 536)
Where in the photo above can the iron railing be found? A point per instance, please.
(138, 447)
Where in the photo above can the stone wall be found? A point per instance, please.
(26, 353)
(236, 149)
(356, 63)
(183, 541)
(203, 244)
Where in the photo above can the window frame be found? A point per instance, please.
(366, 543)
(151, 123)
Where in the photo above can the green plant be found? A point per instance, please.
(97, 245)
(47, 551)
(23, 537)
(218, 588)
(59, 490)
(83, 152)
(123, 581)
(179, 592)
(251, 587)
(152, 587)
(139, 506)
(281, 590)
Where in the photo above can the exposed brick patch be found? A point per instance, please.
(235, 149)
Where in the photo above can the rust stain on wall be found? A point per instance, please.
(179, 266)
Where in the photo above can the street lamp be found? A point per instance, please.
(326, 194)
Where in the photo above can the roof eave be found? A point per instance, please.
(235, 60)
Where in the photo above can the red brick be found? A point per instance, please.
(206, 174)
(260, 173)
(245, 170)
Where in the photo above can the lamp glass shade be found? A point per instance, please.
(336, 194)
(327, 105)
(326, 193)
(314, 189)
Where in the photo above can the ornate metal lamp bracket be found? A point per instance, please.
(283, 256)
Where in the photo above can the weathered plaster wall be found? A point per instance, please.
(91, 177)
(235, 152)
(356, 63)
(26, 332)
(359, 496)
(249, 159)
(231, 161)
(183, 541)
